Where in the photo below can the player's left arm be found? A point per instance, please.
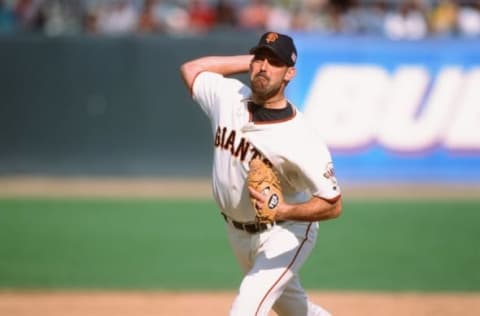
(314, 165)
(315, 209)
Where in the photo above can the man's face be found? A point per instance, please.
(268, 74)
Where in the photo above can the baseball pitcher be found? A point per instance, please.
(273, 178)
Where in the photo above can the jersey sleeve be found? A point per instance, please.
(318, 170)
(324, 182)
(205, 91)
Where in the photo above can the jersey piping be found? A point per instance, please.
(286, 269)
(331, 200)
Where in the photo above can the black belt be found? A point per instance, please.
(251, 227)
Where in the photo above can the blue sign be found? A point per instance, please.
(396, 111)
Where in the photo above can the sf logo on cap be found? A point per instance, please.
(271, 37)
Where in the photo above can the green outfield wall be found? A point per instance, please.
(104, 105)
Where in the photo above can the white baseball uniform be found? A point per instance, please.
(271, 259)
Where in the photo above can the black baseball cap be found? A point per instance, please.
(280, 44)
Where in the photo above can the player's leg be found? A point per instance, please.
(257, 295)
(280, 255)
(294, 302)
(254, 284)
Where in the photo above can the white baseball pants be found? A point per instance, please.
(271, 261)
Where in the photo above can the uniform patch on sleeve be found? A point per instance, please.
(329, 174)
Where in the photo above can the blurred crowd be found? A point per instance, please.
(397, 19)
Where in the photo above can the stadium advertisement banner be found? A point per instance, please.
(393, 110)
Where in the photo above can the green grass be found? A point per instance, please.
(113, 243)
(410, 245)
(155, 244)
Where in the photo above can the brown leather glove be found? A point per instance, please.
(263, 179)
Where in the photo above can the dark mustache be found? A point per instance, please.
(262, 75)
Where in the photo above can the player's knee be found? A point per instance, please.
(242, 307)
(250, 305)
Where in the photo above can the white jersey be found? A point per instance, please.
(302, 160)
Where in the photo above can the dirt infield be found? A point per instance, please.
(217, 304)
(115, 187)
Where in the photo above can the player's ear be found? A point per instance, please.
(291, 71)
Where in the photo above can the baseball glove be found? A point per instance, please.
(262, 178)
